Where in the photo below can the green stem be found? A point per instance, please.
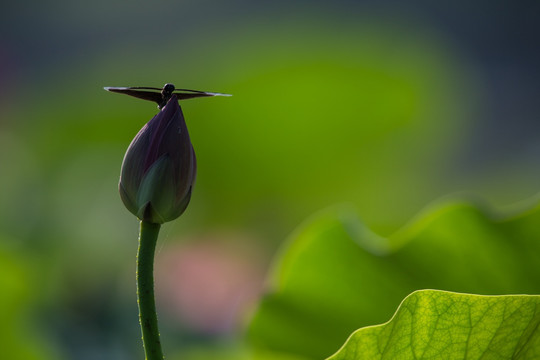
(145, 290)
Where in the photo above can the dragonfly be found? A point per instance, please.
(161, 95)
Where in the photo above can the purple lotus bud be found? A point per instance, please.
(159, 167)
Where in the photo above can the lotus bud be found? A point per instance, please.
(159, 168)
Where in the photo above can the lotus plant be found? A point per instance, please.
(156, 181)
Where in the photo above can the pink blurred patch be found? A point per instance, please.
(210, 283)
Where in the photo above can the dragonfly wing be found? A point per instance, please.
(184, 94)
(145, 95)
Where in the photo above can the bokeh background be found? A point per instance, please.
(386, 105)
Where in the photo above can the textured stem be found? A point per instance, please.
(145, 290)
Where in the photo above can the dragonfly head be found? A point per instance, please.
(166, 94)
(168, 89)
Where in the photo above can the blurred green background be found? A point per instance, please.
(385, 105)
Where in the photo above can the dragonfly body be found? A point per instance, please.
(161, 96)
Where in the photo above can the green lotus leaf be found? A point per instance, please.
(432, 324)
(335, 275)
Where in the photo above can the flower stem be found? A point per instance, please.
(145, 290)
